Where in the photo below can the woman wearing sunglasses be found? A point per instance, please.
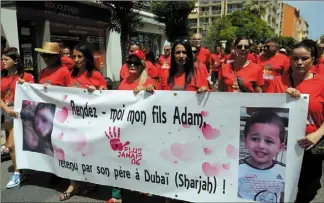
(136, 80)
(300, 80)
(55, 73)
(152, 70)
(182, 75)
(241, 75)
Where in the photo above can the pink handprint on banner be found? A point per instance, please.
(114, 138)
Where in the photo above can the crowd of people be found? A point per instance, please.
(188, 66)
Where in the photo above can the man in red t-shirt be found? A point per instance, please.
(165, 59)
(203, 53)
(273, 63)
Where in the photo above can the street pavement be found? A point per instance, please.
(37, 188)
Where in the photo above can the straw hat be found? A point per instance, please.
(49, 48)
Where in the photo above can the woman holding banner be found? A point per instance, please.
(241, 75)
(182, 75)
(300, 80)
(83, 75)
(137, 81)
(12, 72)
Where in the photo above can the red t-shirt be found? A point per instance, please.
(82, 80)
(151, 69)
(275, 66)
(315, 88)
(126, 85)
(201, 68)
(321, 59)
(250, 74)
(197, 81)
(165, 61)
(216, 62)
(67, 62)
(204, 56)
(55, 76)
(317, 69)
(8, 86)
(229, 58)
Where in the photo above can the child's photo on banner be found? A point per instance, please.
(263, 149)
(37, 122)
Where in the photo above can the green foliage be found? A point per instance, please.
(174, 14)
(286, 42)
(256, 8)
(238, 24)
(124, 20)
(322, 39)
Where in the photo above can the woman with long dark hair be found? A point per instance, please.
(83, 75)
(182, 74)
(301, 80)
(241, 75)
(12, 72)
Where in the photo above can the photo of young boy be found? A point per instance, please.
(37, 119)
(262, 151)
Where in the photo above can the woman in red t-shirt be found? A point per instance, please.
(83, 75)
(137, 80)
(182, 75)
(242, 75)
(13, 72)
(55, 73)
(300, 80)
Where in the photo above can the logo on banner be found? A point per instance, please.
(125, 151)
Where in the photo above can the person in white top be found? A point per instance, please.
(261, 178)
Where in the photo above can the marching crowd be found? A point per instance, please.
(188, 66)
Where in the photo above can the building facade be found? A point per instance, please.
(207, 11)
(27, 25)
(292, 23)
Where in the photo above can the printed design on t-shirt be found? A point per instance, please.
(266, 196)
(268, 72)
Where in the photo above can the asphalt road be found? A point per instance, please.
(37, 188)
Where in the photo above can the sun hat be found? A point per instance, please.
(49, 48)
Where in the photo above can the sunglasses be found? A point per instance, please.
(180, 52)
(241, 46)
(133, 63)
(195, 52)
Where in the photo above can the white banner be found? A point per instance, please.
(214, 147)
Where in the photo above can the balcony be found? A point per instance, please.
(204, 13)
(216, 13)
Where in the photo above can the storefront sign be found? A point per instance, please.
(68, 9)
(197, 148)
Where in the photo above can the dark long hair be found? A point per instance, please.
(88, 55)
(189, 66)
(12, 53)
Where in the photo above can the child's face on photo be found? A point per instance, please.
(263, 142)
(43, 122)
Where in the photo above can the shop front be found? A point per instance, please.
(68, 23)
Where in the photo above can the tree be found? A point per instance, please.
(238, 24)
(174, 14)
(125, 20)
(257, 8)
(286, 42)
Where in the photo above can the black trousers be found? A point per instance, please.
(310, 178)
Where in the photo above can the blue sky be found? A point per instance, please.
(313, 13)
